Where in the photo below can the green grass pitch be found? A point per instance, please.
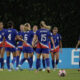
(72, 74)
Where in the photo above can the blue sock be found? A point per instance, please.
(17, 61)
(47, 62)
(57, 61)
(2, 62)
(22, 61)
(53, 63)
(38, 64)
(79, 63)
(43, 61)
(30, 61)
(8, 62)
(14, 59)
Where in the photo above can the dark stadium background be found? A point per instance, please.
(62, 13)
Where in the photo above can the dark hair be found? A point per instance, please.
(10, 24)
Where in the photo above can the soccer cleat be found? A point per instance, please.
(48, 70)
(43, 69)
(30, 69)
(79, 70)
(20, 68)
(1, 69)
(37, 71)
(9, 70)
(17, 68)
(11, 66)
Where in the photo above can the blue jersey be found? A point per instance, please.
(28, 37)
(20, 43)
(56, 39)
(2, 32)
(10, 36)
(43, 37)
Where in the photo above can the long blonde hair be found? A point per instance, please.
(27, 27)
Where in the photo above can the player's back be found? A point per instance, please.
(43, 36)
(10, 36)
(28, 36)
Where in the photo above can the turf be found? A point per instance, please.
(72, 74)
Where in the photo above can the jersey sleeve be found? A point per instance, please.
(37, 32)
(49, 34)
(32, 33)
(5, 33)
(15, 32)
(60, 38)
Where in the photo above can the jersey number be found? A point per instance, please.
(43, 37)
(25, 37)
(9, 36)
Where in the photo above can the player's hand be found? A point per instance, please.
(33, 44)
(53, 47)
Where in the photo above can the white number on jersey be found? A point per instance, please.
(43, 37)
(25, 37)
(9, 36)
(0, 36)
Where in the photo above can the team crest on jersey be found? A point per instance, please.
(57, 37)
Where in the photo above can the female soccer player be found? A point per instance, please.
(79, 52)
(27, 46)
(35, 28)
(42, 35)
(10, 43)
(58, 44)
(2, 49)
(19, 45)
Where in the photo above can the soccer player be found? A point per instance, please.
(43, 59)
(10, 43)
(78, 43)
(27, 46)
(58, 44)
(42, 36)
(2, 49)
(35, 28)
(19, 45)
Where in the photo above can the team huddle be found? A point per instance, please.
(41, 41)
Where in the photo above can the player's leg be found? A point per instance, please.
(13, 50)
(30, 60)
(18, 52)
(2, 57)
(57, 58)
(8, 58)
(53, 59)
(23, 60)
(38, 62)
(43, 62)
(45, 53)
(38, 53)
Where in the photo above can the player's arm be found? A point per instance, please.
(60, 44)
(19, 38)
(78, 44)
(3, 41)
(52, 42)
